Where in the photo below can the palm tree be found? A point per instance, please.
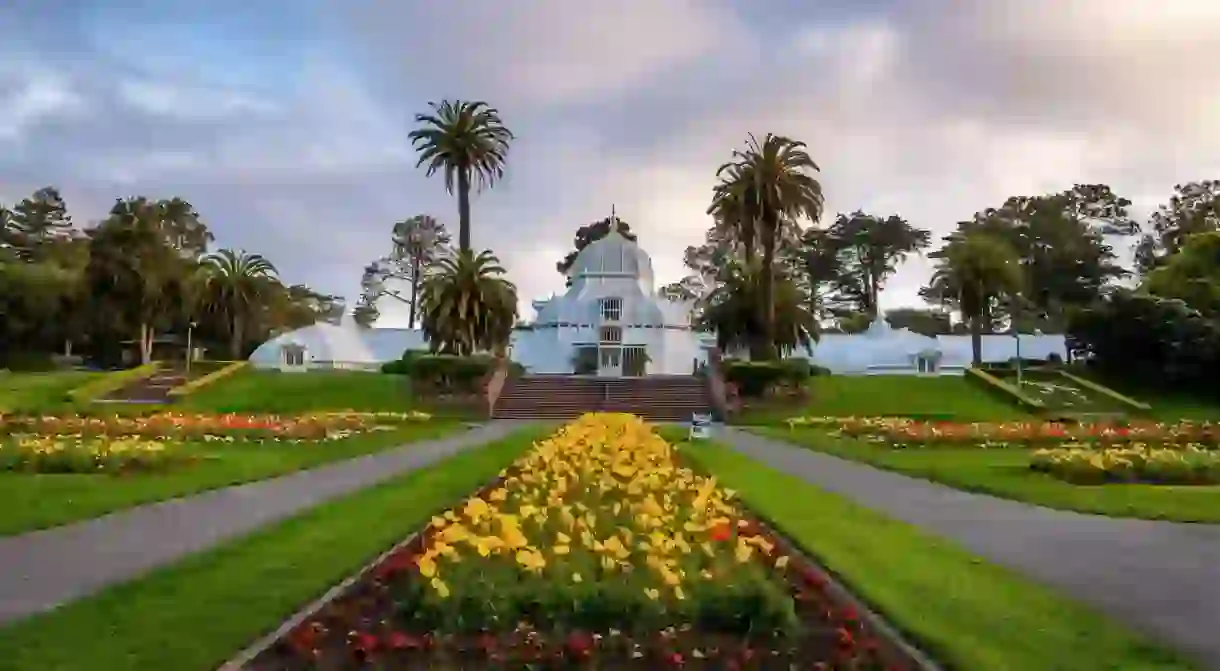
(467, 305)
(468, 142)
(730, 311)
(237, 285)
(766, 188)
(974, 271)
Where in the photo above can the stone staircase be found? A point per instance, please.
(657, 398)
(153, 389)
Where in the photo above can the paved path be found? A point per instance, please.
(43, 569)
(1159, 577)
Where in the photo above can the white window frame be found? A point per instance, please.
(611, 309)
(610, 334)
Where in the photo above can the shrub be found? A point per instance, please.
(27, 362)
(448, 373)
(760, 378)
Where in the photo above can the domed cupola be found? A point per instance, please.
(614, 256)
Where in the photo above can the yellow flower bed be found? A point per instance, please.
(1190, 464)
(598, 526)
(75, 454)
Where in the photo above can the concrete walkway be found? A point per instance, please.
(43, 569)
(1161, 578)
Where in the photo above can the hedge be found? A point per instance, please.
(757, 378)
(446, 372)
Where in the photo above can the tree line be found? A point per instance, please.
(770, 276)
(145, 271)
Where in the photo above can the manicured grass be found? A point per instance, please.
(276, 392)
(34, 501)
(948, 397)
(1167, 404)
(966, 613)
(32, 392)
(1004, 472)
(197, 613)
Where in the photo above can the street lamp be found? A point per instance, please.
(190, 351)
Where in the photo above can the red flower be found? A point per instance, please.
(578, 644)
(403, 641)
(850, 616)
(675, 659)
(363, 642)
(844, 639)
(722, 532)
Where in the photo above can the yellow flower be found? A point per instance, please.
(561, 549)
(781, 562)
(442, 590)
(652, 593)
(427, 566)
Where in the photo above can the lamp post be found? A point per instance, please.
(190, 350)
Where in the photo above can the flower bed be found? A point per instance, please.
(230, 427)
(900, 432)
(595, 548)
(73, 454)
(1137, 463)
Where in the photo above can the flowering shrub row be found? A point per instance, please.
(597, 548)
(900, 432)
(68, 454)
(181, 426)
(1137, 463)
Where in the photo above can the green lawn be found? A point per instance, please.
(197, 613)
(275, 392)
(966, 613)
(28, 392)
(1004, 472)
(34, 501)
(1167, 404)
(948, 397)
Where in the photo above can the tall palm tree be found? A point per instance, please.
(467, 304)
(770, 186)
(466, 141)
(974, 271)
(237, 285)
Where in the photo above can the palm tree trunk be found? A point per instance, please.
(463, 209)
(976, 339)
(414, 291)
(236, 333)
(767, 293)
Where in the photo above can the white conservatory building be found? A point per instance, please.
(610, 322)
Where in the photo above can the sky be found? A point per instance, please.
(285, 122)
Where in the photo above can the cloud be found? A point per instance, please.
(32, 95)
(290, 134)
(536, 53)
